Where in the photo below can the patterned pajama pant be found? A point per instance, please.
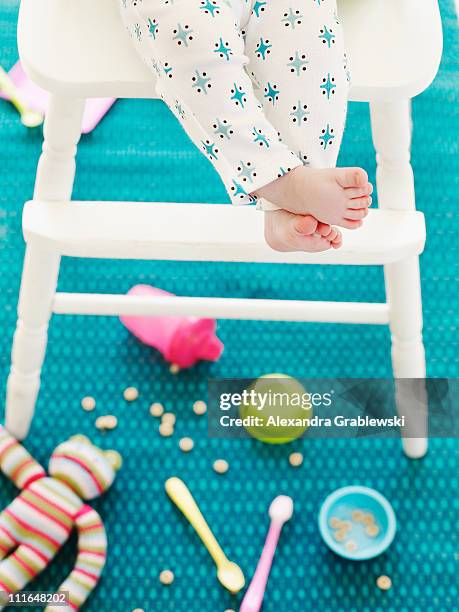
(260, 87)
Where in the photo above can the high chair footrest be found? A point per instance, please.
(204, 232)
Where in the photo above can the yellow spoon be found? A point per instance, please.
(229, 574)
(29, 117)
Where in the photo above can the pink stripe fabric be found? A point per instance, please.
(49, 516)
(31, 529)
(83, 466)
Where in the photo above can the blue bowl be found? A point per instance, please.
(340, 505)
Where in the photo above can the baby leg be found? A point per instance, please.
(298, 63)
(197, 51)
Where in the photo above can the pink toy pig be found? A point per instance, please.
(181, 340)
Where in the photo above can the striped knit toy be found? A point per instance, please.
(38, 522)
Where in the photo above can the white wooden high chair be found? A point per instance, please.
(78, 49)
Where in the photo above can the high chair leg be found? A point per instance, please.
(54, 181)
(39, 280)
(56, 166)
(391, 129)
(403, 289)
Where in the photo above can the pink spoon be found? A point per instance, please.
(280, 511)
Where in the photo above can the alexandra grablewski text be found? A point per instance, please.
(334, 408)
(315, 421)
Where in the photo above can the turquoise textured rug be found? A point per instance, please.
(138, 152)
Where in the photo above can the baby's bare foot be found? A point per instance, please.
(285, 231)
(339, 196)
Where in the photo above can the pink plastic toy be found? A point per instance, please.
(181, 340)
(37, 99)
(280, 511)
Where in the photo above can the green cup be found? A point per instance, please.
(285, 398)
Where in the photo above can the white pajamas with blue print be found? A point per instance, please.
(260, 87)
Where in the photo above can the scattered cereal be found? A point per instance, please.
(156, 409)
(169, 418)
(166, 430)
(340, 535)
(384, 583)
(372, 530)
(200, 407)
(221, 466)
(174, 369)
(186, 444)
(334, 522)
(346, 525)
(131, 394)
(296, 459)
(166, 577)
(107, 421)
(368, 519)
(357, 516)
(351, 546)
(88, 403)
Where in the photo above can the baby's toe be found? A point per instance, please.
(305, 225)
(315, 244)
(351, 177)
(355, 214)
(359, 192)
(338, 241)
(324, 230)
(351, 224)
(305, 235)
(333, 235)
(364, 202)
